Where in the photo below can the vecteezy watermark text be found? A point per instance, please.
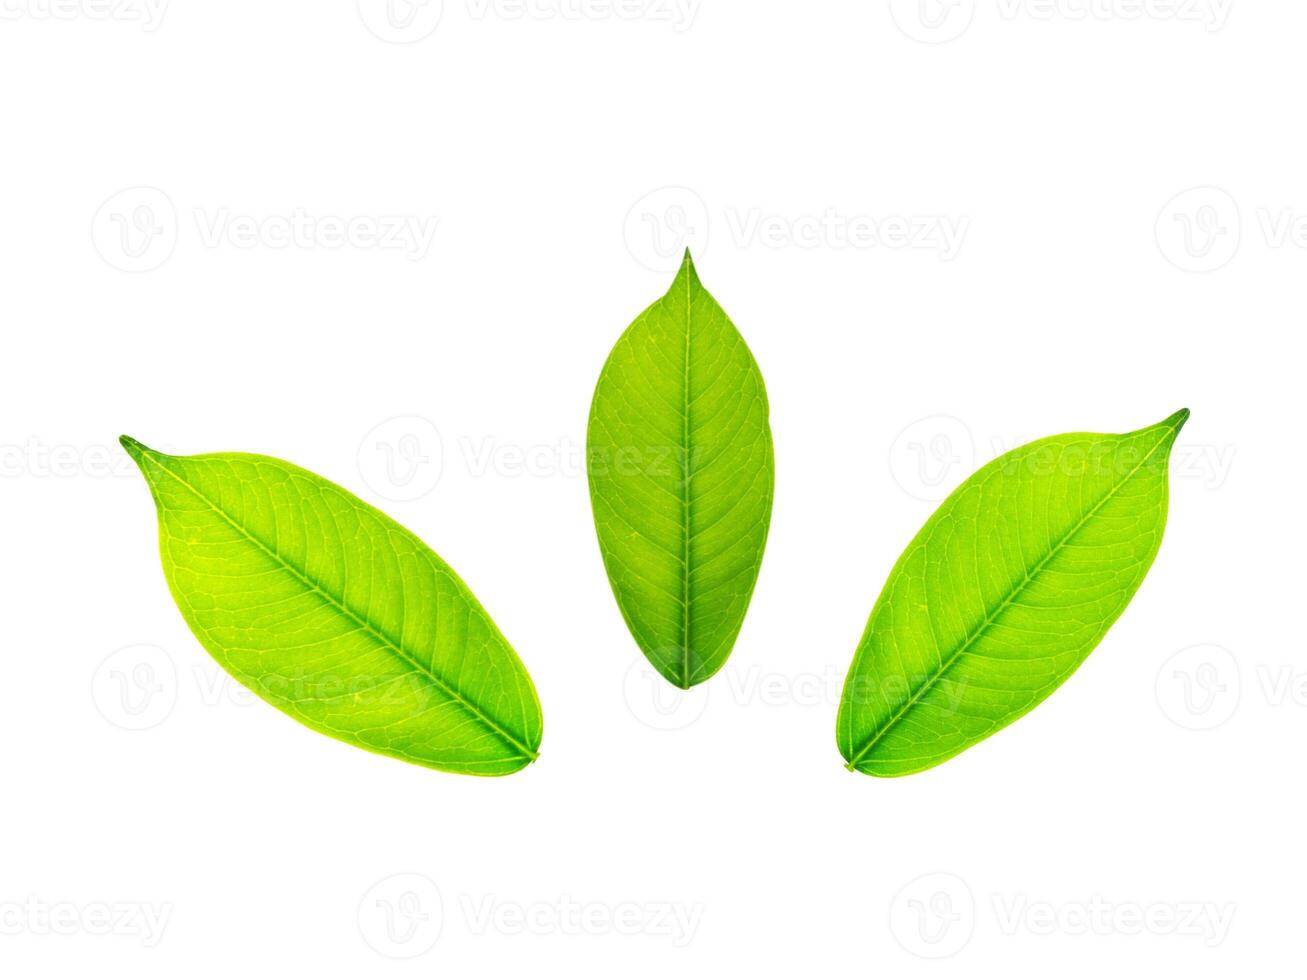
(679, 14)
(138, 229)
(566, 916)
(408, 21)
(403, 458)
(663, 223)
(40, 460)
(147, 13)
(35, 916)
(403, 916)
(406, 233)
(940, 21)
(664, 707)
(935, 916)
(931, 455)
(938, 233)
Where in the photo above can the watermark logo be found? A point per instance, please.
(933, 21)
(138, 229)
(401, 21)
(402, 916)
(660, 704)
(1199, 688)
(139, 687)
(933, 916)
(933, 455)
(402, 458)
(1202, 229)
(663, 224)
(1199, 230)
(135, 688)
(930, 456)
(135, 230)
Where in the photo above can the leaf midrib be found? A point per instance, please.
(457, 698)
(965, 646)
(686, 536)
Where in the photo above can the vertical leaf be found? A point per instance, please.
(679, 457)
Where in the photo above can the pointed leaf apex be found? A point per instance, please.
(1178, 420)
(134, 449)
(687, 273)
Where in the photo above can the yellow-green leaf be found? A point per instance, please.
(679, 457)
(329, 610)
(1007, 588)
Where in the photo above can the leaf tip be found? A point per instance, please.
(687, 271)
(134, 449)
(1169, 428)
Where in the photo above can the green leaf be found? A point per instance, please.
(1009, 586)
(332, 612)
(679, 456)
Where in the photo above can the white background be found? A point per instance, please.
(150, 168)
